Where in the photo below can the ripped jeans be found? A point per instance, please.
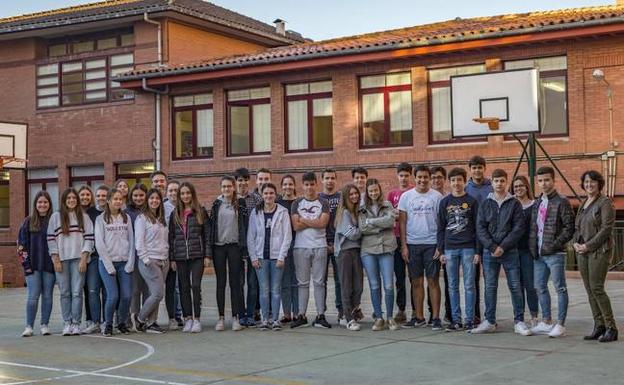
(547, 266)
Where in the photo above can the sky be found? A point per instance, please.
(324, 19)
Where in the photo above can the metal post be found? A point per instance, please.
(532, 160)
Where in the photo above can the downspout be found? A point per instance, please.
(157, 94)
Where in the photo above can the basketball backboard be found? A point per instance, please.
(509, 97)
(13, 138)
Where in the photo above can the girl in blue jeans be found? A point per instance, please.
(268, 242)
(376, 222)
(114, 240)
(32, 248)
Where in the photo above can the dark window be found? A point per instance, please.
(192, 127)
(5, 200)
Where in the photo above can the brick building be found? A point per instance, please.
(234, 92)
(56, 70)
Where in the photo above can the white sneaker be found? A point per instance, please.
(196, 328)
(557, 331)
(342, 321)
(45, 330)
(91, 327)
(173, 324)
(353, 325)
(75, 330)
(236, 326)
(28, 332)
(542, 328)
(522, 329)
(188, 325)
(392, 325)
(533, 323)
(484, 327)
(67, 330)
(220, 326)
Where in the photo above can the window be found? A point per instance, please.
(249, 121)
(440, 100)
(5, 201)
(192, 126)
(135, 173)
(82, 81)
(386, 110)
(309, 116)
(43, 179)
(92, 176)
(89, 43)
(553, 92)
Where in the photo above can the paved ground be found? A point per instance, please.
(310, 355)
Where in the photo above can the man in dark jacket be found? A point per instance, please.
(552, 226)
(500, 226)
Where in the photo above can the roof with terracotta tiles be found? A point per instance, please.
(455, 30)
(111, 9)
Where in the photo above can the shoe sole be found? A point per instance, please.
(321, 326)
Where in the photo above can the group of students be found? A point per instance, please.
(143, 245)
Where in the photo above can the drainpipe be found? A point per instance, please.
(157, 94)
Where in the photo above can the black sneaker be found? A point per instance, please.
(414, 323)
(154, 329)
(138, 325)
(286, 320)
(454, 326)
(108, 331)
(123, 329)
(436, 324)
(321, 322)
(180, 322)
(299, 321)
(469, 326)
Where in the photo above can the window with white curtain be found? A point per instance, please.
(386, 110)
(440, 99)
(193, 126)
(309, 111)
(43, 179)
(249, 121)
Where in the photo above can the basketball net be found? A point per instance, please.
(493, 123)
(9, 159)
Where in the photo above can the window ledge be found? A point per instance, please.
(192, 160)
(373, 149)
(311, 153)
(42, 111)
(443, 145)
(543, 139)
(238, 157)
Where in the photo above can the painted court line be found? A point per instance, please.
(96, 373)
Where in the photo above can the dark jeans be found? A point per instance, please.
(331, 258)
(290, 288)
(118, 292)
(190, 274)
(527, 280)
(95, 295)
(228, 262)
(399, 273)
(172, 295)
(253, 295)
(352, 277)
(510, 262)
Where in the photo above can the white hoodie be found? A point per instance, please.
(115, 242)
(151, 239)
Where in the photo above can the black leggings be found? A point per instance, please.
(170, 292)
(190, 274)
(229, 255)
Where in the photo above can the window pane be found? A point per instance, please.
(48, 102)
(73, 87)
(122, 70)
(239, 130)
(101, 63)
(297, 89)
(127, 39)
(441, 113)
(72, 99)
(47, 91)
(543, 64)
(107, 43)
(43, 173)
(70, 67)
(373, 81)
(47, 81)
(48, 69)
(122, 59)
(400, 111)
(262, 127)
(79, 171)
(182, 101)
(298, 125)
(238, 95)
(72, 78)
(373, 119)
(442, 74)
(202, 99)
(553, 113)
(53, 190)
(204, 133)
(95, 85)
(95, 75)
(5, 217)
(184, 134)
(135, 169)
(318, 87)
(95, 95)
(260, 93)
(398, 79)
(57, 50)
(322, 130)
(84, 46)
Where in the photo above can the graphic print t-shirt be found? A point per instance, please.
(333, 200)
(422, 216)
(456, 222)
(268, 223)
(310, 238)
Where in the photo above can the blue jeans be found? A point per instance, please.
(463, 258)
(252, 288)
(95, 289)
(270, 281)
(71, 283)
(380, 267)
(527, 280)
(39, 284)
(546, 266)
(118, 292)
(510, 261)
(290, 288)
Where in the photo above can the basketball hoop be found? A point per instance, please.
(7, 159)
(493, 123)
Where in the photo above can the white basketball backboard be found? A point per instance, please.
(13, 138)
(510, 96)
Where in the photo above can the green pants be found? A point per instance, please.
(593, 268)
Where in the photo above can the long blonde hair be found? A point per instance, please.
(345, 203)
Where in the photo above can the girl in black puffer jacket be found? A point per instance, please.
(189, 232)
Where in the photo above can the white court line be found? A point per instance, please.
(96, 373)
